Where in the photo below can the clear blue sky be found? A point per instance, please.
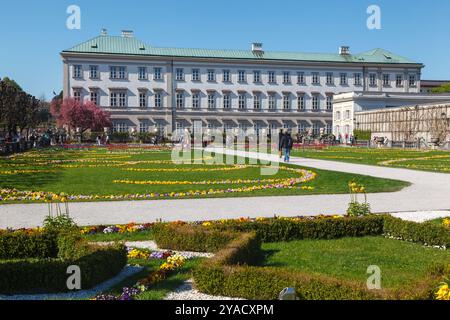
(33, 33)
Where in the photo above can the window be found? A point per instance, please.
(195, 75)
(226, 101)
(301, 102)
(347, 114)
(77, 95)
(158, 99)
(301, 128)
(386, 80)
(122, 99)
(399, 81)
(180, 100)
(315, 102)
(94, 97)
(272, 101)
(142, 99)
(196, 100)
(179, 74)
(257, 101)
(329, 102)
(118, 99)
(315, 78)
(157, 74)
(329, 128)
(330, 79)
(271, 75)
(300, 77)
(373, 80)
(118, 72)
(412, 80)
(316, 129)
(93, 72)
(142, 73)
(211, 75)
(338, 115)
(357, 78)
(256, 76)
(77, 71)
(211, 100)
(161, 128)
(286, 102)
(121, 127)
(343, 79)
(226, 76)
(113, 99)
(143, 127)
(241, 76)
(286, 77)
(242, 101)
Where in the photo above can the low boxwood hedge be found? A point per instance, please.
(275, 230)
(45, 270)
(425, 233)
(190, 238)
(232, 273)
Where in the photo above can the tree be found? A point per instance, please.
(445, 88)
(75, 114)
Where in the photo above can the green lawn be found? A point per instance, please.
(430, 160)
(161, 289)
(401, 262)
(94, 173)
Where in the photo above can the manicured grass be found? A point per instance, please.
(93, 172)
(401, 262)
(430, 160)
(160, 290)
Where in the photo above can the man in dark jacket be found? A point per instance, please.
(287, 143)
(280, 147)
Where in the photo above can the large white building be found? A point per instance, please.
(146, 88)
(363, 111)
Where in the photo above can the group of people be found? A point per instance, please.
(102, 140)
(285, 145)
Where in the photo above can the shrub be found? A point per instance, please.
(275, 230)
(22, 245)
(58, 223)
(364, 135)
(356, 209)
(425, 233)
(37, 262)
(50, 275)
(121, 137)
(190, 238)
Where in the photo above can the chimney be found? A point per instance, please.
(257, 48)
(127, 33)
(344, 50)
(104, 32)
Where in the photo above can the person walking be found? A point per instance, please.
(280, 147)
(287, 143)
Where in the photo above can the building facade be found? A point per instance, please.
(163, 89)
(427, 86)
(381, 113)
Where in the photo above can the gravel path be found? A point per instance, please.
(422, 216)
(429, 192)
(78, 295)
(187, 292)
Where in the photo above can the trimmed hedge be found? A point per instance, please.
(424, 233)
(31, 276)
(230, 273)
(276, 230)
(190, 238)
(37, 262)
(22, 245)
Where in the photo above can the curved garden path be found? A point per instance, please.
(428, 192)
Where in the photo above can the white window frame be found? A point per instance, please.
(343, 79)
(242, 101)
(144, 127)
(211, 75)
(399, 81)
(257, 101)
(143, 99)
(256, 76)
(316, 102)
(94, 96)
(179, 100)
(157, 73)
(195, 74)
(179, 74)
(286, 102)
(272, 77)
(329, 102)
(196, 100)
(226, 101)
(412, 81)
(77, 96)
(300, 78)
(142, 73)
(226, 76)
(315, 78)
(211, 101)
(242, 76)
(93, 72)
(357, 79)
(372, 79)
(301, 102)
(272, 101)
(286, 77)
(158, 99)
(386, 80)
(77, 71)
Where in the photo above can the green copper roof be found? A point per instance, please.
(132, 46)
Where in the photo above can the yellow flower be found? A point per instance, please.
(443, 293)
